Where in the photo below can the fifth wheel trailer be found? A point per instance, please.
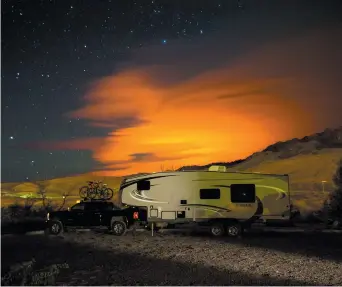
(228, 202)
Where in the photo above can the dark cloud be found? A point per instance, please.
(241, 94)
(75, 144)
(141, 156)
(117, 123)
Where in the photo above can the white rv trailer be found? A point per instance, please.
(226, 201)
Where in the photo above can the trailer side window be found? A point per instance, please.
(144, 185)
(242, 193)
(213, 193)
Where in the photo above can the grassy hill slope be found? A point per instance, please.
(308, 161)
(307, 171)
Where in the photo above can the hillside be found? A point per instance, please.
(308, 161)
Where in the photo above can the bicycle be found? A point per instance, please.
(85, 190)
(101, 192)
(96, 189)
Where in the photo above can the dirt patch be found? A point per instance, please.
(175, 259)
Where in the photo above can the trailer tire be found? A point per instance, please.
(119, 228)
(217, 229)
(234, 229)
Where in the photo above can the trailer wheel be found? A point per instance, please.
(217, 229)
(119, 228)
(234, 229)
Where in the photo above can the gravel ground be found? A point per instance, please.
(97, 258)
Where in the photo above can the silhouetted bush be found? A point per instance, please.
(335, 199)
(16, 213)
(332, 207)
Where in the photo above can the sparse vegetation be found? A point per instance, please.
(65, 196)
(42, 193)
(163, 169)
(26, 216)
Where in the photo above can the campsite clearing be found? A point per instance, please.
(182, 259)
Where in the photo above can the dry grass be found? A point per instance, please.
(306, 174)
(308, 201)
(304, 169)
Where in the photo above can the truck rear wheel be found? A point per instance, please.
(234, 229)
(55, 227)
(217, 229)
(119, 228)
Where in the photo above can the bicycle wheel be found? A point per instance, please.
(84, 190)
(108, 193)
(92, 193)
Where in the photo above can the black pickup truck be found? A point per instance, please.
(93, 214)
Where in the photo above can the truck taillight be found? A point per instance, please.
(136, 215)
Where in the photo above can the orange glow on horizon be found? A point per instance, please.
(210, 118)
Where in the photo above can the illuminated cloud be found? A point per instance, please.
(265, 95)
(211, 117)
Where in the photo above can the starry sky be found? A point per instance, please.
(119, 87)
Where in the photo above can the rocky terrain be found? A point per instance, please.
(181, 259)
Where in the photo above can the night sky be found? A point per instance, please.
(127, 86)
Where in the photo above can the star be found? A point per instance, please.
(11, 137)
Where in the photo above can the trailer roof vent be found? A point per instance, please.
(220, 168)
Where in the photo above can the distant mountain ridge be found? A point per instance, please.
(329, 138)
(203, 167)
(312, 144)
